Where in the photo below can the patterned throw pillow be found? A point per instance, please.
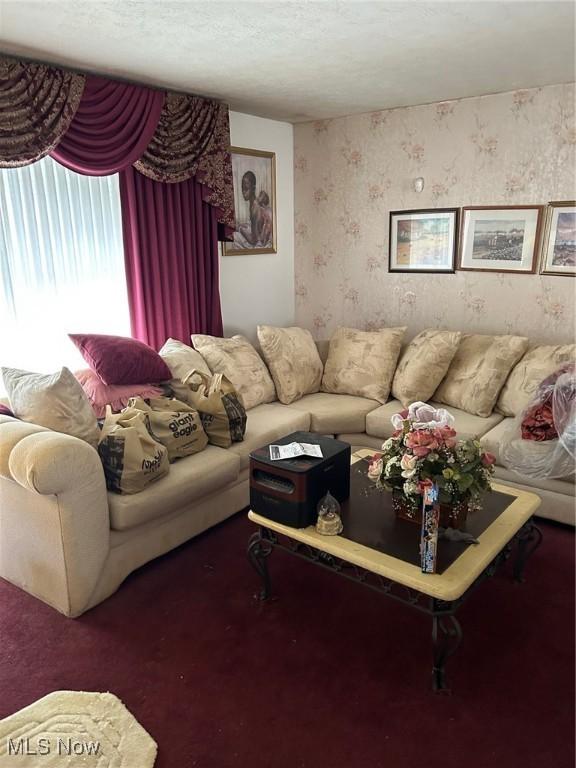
(237, 359)
(293, 361)
(536, 365)
(56, 401)
(181, 359)
(478, 372)
(423, 365)
(362, 363)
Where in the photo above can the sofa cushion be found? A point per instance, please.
(237, 359)
(467, 425)
(536, 365)
(330, 414)
(267, 423)
(491, 440)
(182, 359)
(56, 401)
(114, 395)
(293, 361)
(362, 363)
(423, 365)
(565, 485)
(120, 359)
(478, 372)
(189, 479)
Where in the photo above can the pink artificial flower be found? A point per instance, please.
(488, 459)
(446, 436)
(375, 468)
(421, 442)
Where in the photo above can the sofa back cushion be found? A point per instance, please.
(423, 365)
(182, 359)
(362, 363)
(121, 360)
(478, 371)
(237, 359)
(56, 401)
(536, 365)
(293, 360)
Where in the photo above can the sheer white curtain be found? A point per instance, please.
(61, 264)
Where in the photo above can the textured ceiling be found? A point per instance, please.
(304, 60)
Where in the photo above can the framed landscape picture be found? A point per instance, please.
(500, 238)
(559, 246)
(254, 176)
(423, 241)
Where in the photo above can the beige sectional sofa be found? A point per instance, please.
(67, 541)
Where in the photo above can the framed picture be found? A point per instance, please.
(559, 245)
(254, 176)
(423, 241)
(500, 238)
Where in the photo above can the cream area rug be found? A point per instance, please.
(69, 729)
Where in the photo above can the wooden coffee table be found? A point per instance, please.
(381, 552)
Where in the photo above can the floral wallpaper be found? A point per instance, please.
(513, 148)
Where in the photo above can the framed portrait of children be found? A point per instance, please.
(559, 246)
(254, 177)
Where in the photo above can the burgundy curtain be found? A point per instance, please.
(172, 152)
(171, 251)
(112, 127)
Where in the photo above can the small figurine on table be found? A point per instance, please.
(329, 521)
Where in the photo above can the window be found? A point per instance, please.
(61, 264)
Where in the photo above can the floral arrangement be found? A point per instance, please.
(424, 449)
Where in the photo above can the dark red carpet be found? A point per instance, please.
(330, 675)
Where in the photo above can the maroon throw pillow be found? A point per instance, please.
(121, 360)
(5, 411)
(114, 395)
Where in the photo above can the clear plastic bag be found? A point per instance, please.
(541, 442)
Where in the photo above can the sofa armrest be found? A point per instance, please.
(54, 517)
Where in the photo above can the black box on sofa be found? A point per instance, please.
(288, 490)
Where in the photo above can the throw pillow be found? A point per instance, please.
(121, 360)
(115, 395)
(182, 359)
(237, 359)
(362, 363)
(423, 365)
(5, 411)
(478, 371)
(293, 361)
(56, 401)
(536, 365)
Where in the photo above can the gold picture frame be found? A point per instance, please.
(254, 179)
(553, 250)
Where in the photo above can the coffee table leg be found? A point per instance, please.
(260, 547)
(446, 637)
(529, 539)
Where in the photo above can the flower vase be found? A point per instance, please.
(452, 515)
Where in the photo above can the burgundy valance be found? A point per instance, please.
(37, 104)
(193, 139)
(106, 126)
(111, 128)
